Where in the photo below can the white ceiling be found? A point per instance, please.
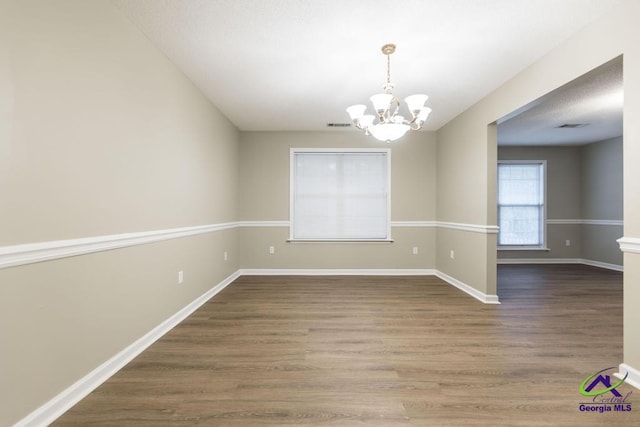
(297, 64)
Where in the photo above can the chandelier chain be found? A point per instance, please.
(388, 69)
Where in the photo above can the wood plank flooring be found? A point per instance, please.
(379, 351)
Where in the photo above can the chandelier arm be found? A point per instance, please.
(397, 101)
(412, 121)
(358, 125)
(415, 125)
(385, 116)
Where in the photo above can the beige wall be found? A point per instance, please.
(602, 199)
(255, 241)
(466, 173)
(467, 247)
(264, 171)
(264, 196)
(601, 167)
(466, 150)
(100, 134)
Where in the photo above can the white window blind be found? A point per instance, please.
(521, 204)
(339, 195)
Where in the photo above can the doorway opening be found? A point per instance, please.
(576, 131)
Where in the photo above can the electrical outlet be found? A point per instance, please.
(226, 256)
(567, 242)
(415, 250)
(272, 250)
(180, 277)
(452, 254)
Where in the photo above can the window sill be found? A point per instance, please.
(339, 240)
(523, 248)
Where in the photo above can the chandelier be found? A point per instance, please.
(389, 125)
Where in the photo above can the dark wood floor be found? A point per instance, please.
(380, 351)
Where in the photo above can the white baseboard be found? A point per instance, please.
(634, 375)
(61, 403)
(487, 299)
(538, 261)
(336, 272)
(608, 266)
(481, 296)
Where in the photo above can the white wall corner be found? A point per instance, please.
(54, 408)
(633, 378)
(481, 296)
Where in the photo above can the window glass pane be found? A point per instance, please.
(519, 226)
(521, 204)
(520, 184)
(340, 195)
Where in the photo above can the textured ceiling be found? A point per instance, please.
(297, 64)
(593, 101)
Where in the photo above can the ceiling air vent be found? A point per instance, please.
(338, 125)
(572, 125)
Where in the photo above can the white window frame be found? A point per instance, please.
(543, 219)
(294, 151)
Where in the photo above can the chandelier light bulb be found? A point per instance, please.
(390, 125)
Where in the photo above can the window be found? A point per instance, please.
(340, 195)
(521, 204)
